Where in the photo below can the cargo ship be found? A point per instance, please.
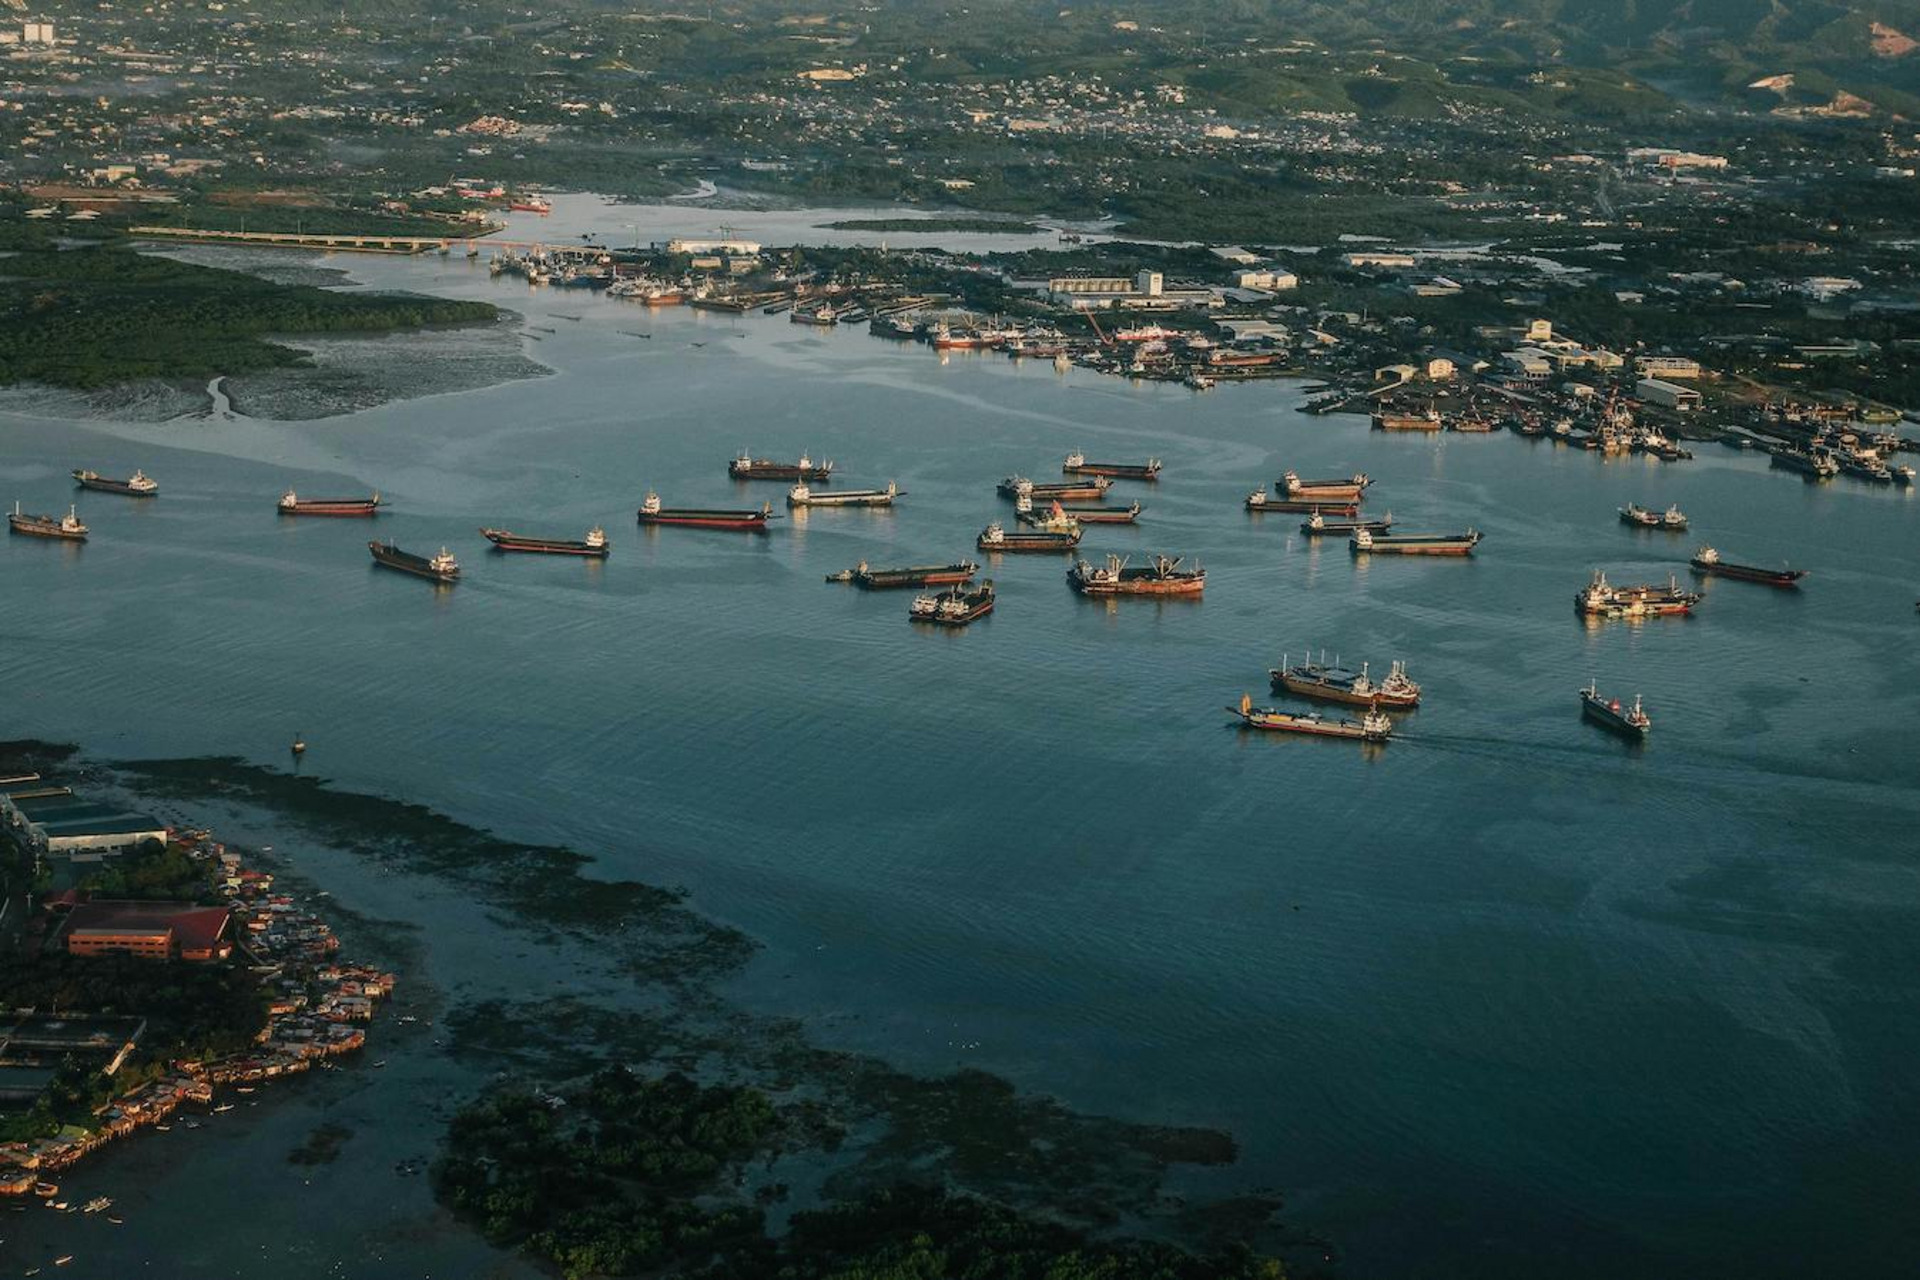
(1310, 679)
(1819, 466)
(1076, 464)
(1386, 421)
(1291, 485)
(292, 504)
(945, 338)
(920, 575)
(802, 496)
(1372, 727)
(1259, 501)
(1056, 520)
(594, 544)
(1317, 525)
(1601, 599)
(1104, 515)
(1672, 519)
(439, 568)
(746, 467)
(996, 538)
(66, 528)
(530, 204)
(721, 302)
(138, 485)
(1707, 560)
(1414, 544)
(1090, 490)
(822, 316)
(1632, 722)
(751, 521)
(1160, 576)
(954, 607)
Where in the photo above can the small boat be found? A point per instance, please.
(1310, 679)
(1632, 721)
(1372, 727)
(438, 568)
(954, 607)
(1672, 519)
(1076, 464)
(1707, 560)
(1161, 576)
(46, 1190)
(1366, 541)
(995, 538)
(594, 544)
(138, 485)
(223, 1108)
(927, 575)
(1090, 490)
(1601, 599)
(1317, 525)
(292, 504)
(1291, 485)
(1901, 473)
(802, 496)
(96, 1204)
(651, 512)
(66, 528)
(1259, 501)
(299, 744)
(747, 467)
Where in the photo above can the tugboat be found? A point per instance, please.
(1091, 490)
(924, 575)
(1673, 519)
(1317, 525)
(1259, 501)
(1601, 599)
(1707, 560)
(66, 528)
(1076, 464)
(1414, 544)
(1291, 485)
(1163, 576)
(292, 504)
(439, 568)
(1372, 727)
(746, 467)
(1631, 721)
(594, 544)
(138, 485)
(750, 521)
(1310, 679)
(954, 607)
(801, 496)
(995, 538)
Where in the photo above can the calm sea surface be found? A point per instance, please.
(1507, 997)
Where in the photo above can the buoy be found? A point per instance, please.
(299, 745)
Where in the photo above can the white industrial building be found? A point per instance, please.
(1668, 395)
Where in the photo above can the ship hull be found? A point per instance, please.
(30, 528)
(504, 541)
(405, 562)
(1310, 726)
(1299, 507)
(973, 613)
(894, 579)
(779, 471)
(850, 498)
(1404, 422)
(1347, 527)
(1103, 515)
(1604, 715)
(1113, 471)
(348, 508)
(100, 484)
(1136, 586)
(1323, 691)
(1748, 573)
(745, 521)
(1015, 542)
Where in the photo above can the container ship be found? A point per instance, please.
(751, 521)
(1291, 485)
(1076, 464)
(439, 568)
(996, 538)
(1259, 501)
(1632, 722)
(1310, 679)
(954, 607)
(1372, 727)
(594, 544)
(1386, 421)
(1414, 544)
(292, 504)
(919, 575)
(801, 496)
(138, 485)
(746, 467)
(1090, 490)
(1707, 560)
(1317, 525)
(1160, 576)
(66, 528)
(1601, 599)
(1640, 517)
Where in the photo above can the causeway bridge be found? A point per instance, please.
(352, 242)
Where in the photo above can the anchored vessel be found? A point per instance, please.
(1104, 515)
(1601, 599)
(1089, 490)
(1385, 421)
(651, 512)
(1414, 544)
(954, 607)
(746, 467)
(292, 504)
(1310, 679)
(922, 575)
(438, 568)
(1318, 525)
(1291, 485)
(1259, 501)
(594, 544)
(1160, 576)
(1707, 560)
(801, 496)
(137, 485)
(1629, 721)
(1640, 517)
(66, 528)
(995, 538)
(1059, 517)
(1076, 464)
(1372, 727)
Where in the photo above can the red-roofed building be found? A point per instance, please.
(154, 930)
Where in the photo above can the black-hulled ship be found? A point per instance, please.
(138, 485)
(594, 544)
(1258, 500)
(1076, 464)
(1310, 679)
(66, 528)
(922, 575)
(1631, 722)
(995, 538)
(747, 467)
(1317, 525)
(954, 607)
(1344, 489)
(748, 521)
(1092, 489)
(437, 568)
(1707, 560)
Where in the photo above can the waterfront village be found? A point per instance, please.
(151, 974)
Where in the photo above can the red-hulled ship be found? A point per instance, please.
(1349, 489)
(292, 504)
(594, 544)
(1707, 560)
(1161, 576)
(1258, 500)
(750, 521)
(66, 528)
(138, 485)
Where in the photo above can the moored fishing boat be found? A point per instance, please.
(995, 538)
(921, 575)
(594, 544)
(66, 528)
(1160, 576)
(1601, 599)
(437, 568)
(1632, 722)
(138, 485)
(1414, 544)
(747, 467)
(1310, 679)
(1259, 500)
(954, 607)
(1317, 525)
(1372, 727)
(749, 520)
(1076, 464)
(802, 496)
(292, 504)
(1291, 485)
(1707, 560)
